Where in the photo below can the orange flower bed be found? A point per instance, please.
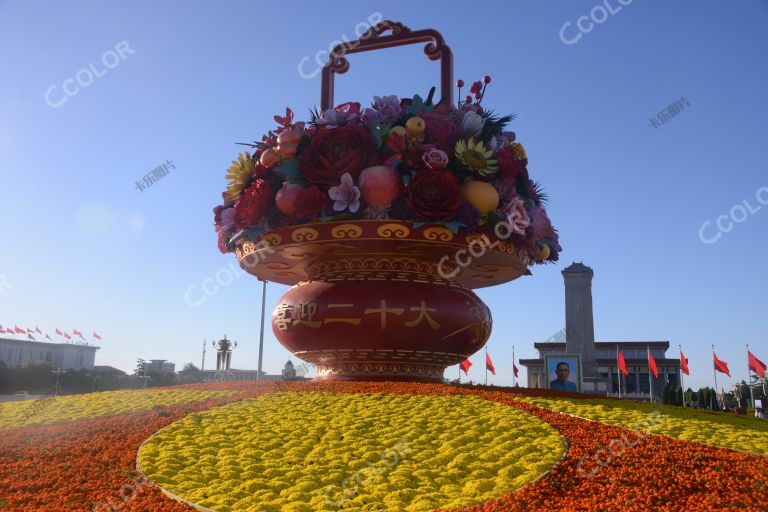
(89, 465)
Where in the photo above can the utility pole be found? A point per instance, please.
(202, 367)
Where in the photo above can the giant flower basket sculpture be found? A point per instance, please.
(383, 219)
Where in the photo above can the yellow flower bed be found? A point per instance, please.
(308, 452)
(92, 405)
(712, 428)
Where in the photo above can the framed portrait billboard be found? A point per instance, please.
(563, 372)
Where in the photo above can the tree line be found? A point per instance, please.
(40, 378)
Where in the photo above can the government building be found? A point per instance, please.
(598, 360)
(66, 356)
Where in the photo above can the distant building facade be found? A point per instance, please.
(67, 356)
(288, 373)
(157, 365)
(599, 359)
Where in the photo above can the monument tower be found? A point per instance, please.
(579, 324)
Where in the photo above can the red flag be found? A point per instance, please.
(756, 365)
(514, 368)
(721, 366)
(652, 365)
(684, 363)
(623, 364)
(10, 331)
(48, 337)
(96, 335)
(67, 336)
(77, 333)
(37, 330)
(19, 330)
(58, 331)
(489, 364)
(30, 337)
(464, 365)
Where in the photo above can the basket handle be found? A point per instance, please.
(436, 49)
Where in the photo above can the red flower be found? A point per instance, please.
(441, 129)
(434, 195)
(334, 151)
(311, 202)
(405, 149)
(509, 166)
(220, 242)
(253, 203)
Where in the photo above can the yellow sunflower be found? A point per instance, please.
(476, 156)
(239, 175)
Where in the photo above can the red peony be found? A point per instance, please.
(334, 151)
(441, 129)
(311, 202)
(434, 195)
(253, 203)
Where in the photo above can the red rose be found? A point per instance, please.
(253, 203)
(311, 202)
(434, 195)
(334, 151)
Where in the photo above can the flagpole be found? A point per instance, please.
(749, 379)
(714, 372)
(618, 372)
(261, 334)
(486, 365)
(514, 374)
(650, 373)
(682, 387)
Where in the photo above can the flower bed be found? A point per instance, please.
(89, 465)
(325, 452)
(716, 429)
(92, 405)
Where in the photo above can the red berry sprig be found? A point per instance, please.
(476, 90)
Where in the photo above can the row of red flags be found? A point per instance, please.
(464, 365)
(30, 332)
(721, 366)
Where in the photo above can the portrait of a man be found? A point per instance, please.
(563, 373)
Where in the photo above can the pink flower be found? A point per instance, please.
(345, 195)
(342, 114)
(541, 225)
(517, 216)
(435, 159)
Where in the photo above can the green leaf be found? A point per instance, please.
(289, 169)
(418, 105)
(377, 133)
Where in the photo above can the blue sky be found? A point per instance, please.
(83, 248)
